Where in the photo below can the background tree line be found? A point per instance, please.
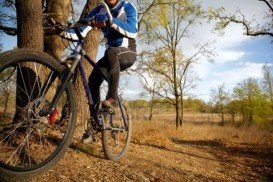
(250, 100)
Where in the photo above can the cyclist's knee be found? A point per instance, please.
(111, 53)
(94, 76)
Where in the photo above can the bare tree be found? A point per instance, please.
(150, 81)
(267, 83)
(220, 98)
(6, 88)
(165, 25)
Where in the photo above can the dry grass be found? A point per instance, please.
(168, 116)
(160, 133)
(150, 134)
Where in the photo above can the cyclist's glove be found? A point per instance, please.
(101, 18)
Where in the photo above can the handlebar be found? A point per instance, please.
(57, 28)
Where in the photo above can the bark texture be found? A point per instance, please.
(91, 47)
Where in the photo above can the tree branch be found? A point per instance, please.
(248, 31)
(8, 30)
(268, 4)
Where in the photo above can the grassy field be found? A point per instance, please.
(162, 134)
(197, 126)
(189, 116)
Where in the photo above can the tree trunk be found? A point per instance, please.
(177, 116)
(59, 11)
(151, 106)
(222, 114)
(91, 47)
(30, 35)
(223, 119)
(6, 103)
(29, 23)
(250, 118)
(177, 111)
(175, 89)
(181, 109)
(151, 110)
(181, 120)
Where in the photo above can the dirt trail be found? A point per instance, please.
(183, 161)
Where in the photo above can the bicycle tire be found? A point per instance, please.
(13, 173)
(105, 135)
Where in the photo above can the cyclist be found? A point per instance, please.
(121, 46)
(120, 53)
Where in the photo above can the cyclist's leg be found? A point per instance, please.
(126, 59)
(119, 59)
(96, 79)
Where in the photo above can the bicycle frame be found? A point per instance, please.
(68, 73)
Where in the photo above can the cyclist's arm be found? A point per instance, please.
(128, 27)
(94, 12)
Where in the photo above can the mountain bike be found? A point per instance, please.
(38, 108)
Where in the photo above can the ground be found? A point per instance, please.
(164, 158)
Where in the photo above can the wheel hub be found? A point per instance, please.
(33, 111)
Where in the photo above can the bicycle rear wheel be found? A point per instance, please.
(116, 132)
(29, 142)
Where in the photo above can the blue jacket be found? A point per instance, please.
(123, 31)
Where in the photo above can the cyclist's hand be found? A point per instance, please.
(99, 21)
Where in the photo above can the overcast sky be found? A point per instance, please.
(237, 56)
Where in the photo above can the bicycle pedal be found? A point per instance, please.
(86, 138)
(95, 139)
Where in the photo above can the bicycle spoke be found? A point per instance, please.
(18, 148)
(11, 132)
(28, 152)
(18, 156)
(47, 84)
(36, 80)
(22, 77)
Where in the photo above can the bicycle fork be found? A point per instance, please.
(67, 75)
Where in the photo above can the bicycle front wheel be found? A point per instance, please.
(116, 132)
(30, 142)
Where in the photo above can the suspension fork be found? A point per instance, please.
(66, 76)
